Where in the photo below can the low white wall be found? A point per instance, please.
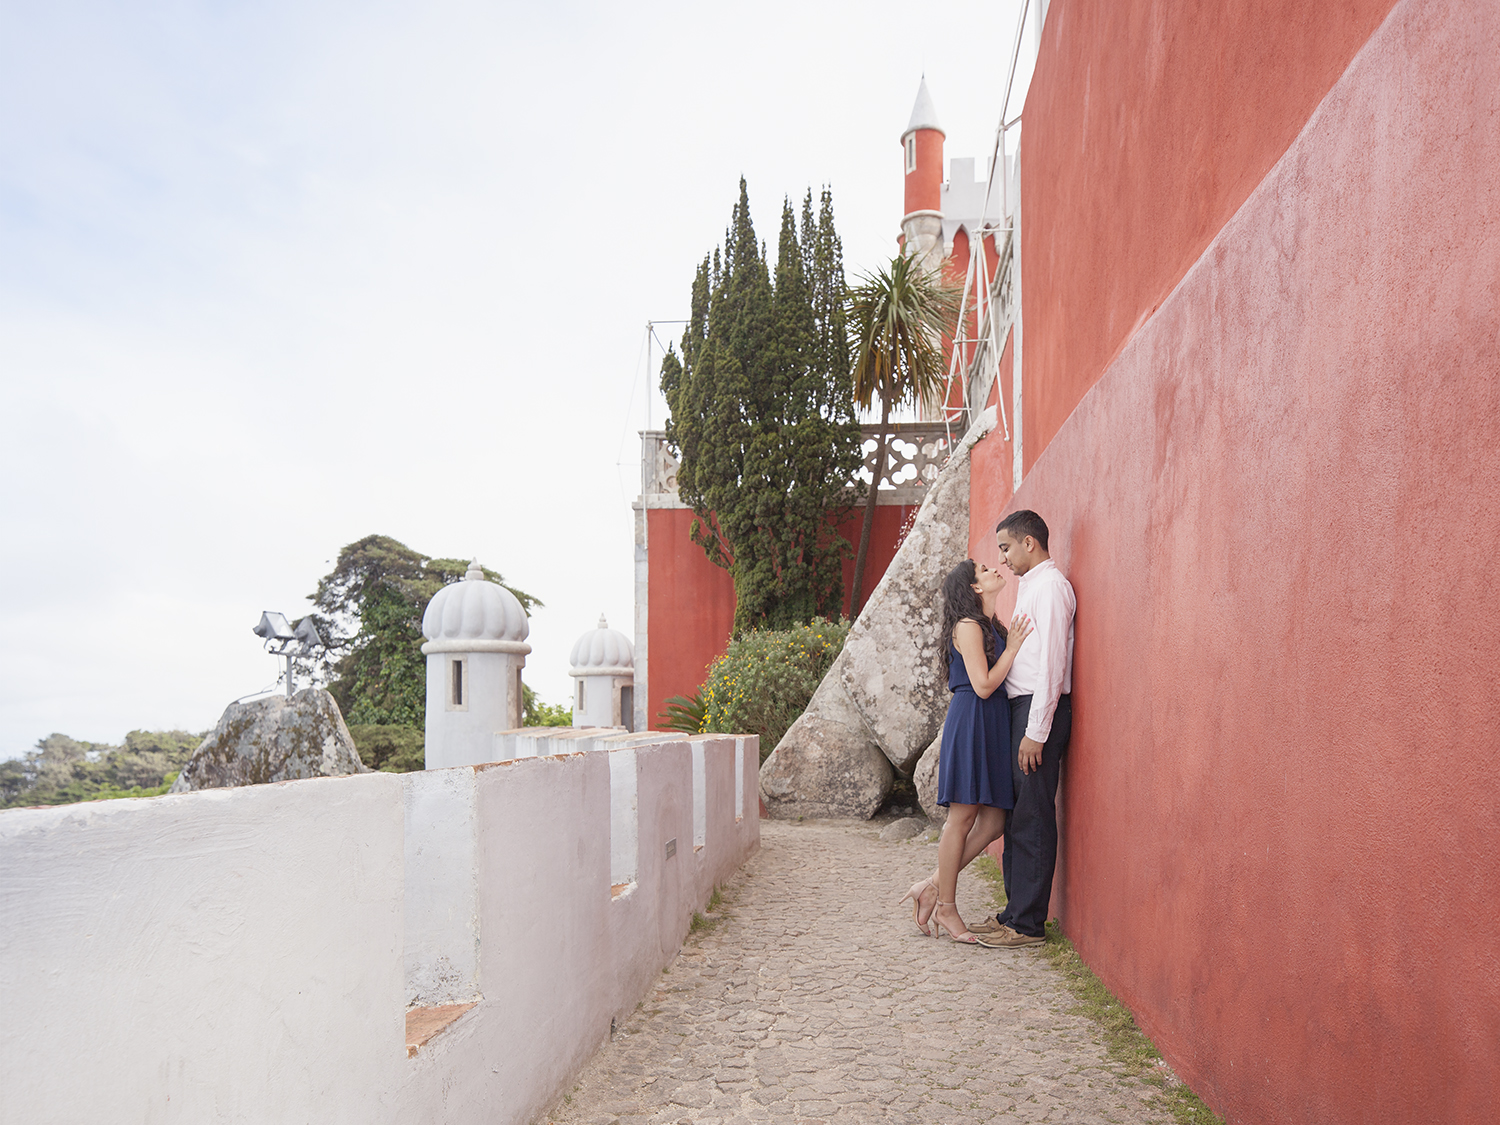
(566, 950)
(249, 954)
(225, 955)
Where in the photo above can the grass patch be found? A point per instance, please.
(1124, 1042)
(988, 870)
(705, 923)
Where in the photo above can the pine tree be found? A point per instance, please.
(762, 417)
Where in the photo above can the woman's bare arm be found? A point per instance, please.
(969, 639)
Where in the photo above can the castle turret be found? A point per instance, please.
(476, 647)
(604, 665)
(922, 153)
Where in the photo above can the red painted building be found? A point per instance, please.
(1259, 406)
(684, 605)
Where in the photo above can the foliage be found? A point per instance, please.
(766, 678)
(899, 316)
(539, 714)
(683, 713)
(1126, 1044)
(369, 610)
(390, 748)
(762, 416)
(62, 770)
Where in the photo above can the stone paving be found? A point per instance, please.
(815, 999)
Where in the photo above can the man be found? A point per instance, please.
(1041, 719)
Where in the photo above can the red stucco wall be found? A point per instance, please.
(1146, 125)
(991, 473)
(1279, 507)
(885, 536)
(690, 607)
(691, 601)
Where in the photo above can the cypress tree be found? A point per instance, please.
(762, 417)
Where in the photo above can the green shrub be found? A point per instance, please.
(535, 713)
(766, 678)
(390, 747)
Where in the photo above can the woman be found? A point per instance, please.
(974, 757)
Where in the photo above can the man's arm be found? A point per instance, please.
(1053, 614)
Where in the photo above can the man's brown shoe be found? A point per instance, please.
(989, 926)
(1003, 937)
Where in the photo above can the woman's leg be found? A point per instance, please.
(988, 826)
(951, 849)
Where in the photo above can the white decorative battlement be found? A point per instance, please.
(964, 204)
(286, 952)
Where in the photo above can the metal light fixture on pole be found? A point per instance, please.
(281, 639)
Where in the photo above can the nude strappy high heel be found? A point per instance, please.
(964, 938)
(916, 892)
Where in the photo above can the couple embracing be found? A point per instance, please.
(1004, 737)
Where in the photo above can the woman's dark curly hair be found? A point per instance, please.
(961, 602)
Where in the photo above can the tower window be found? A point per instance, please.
(911, 153)
(458, 687)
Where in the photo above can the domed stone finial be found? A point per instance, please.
(474, 611)
(603, 624)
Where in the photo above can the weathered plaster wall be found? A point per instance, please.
(442, 887)
(692, 609)
(226, 955)
(247, 954)
(1278, 507)
(1146, 126)
(990, 472)
(561, 955)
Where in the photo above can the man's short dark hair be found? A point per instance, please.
(1023, 523)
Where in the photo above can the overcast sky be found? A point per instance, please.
(277, 276)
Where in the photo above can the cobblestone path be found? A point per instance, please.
(816, 1000)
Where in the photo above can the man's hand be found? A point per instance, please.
(1030, 755)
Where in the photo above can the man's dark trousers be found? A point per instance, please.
(1031, 828)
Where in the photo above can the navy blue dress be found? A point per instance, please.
(974, 757)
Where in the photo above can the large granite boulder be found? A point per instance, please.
(889, 665)
(925, 778)
(273, 739)
(884, 695)
(827, 764)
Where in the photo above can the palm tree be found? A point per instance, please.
(899, 316)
